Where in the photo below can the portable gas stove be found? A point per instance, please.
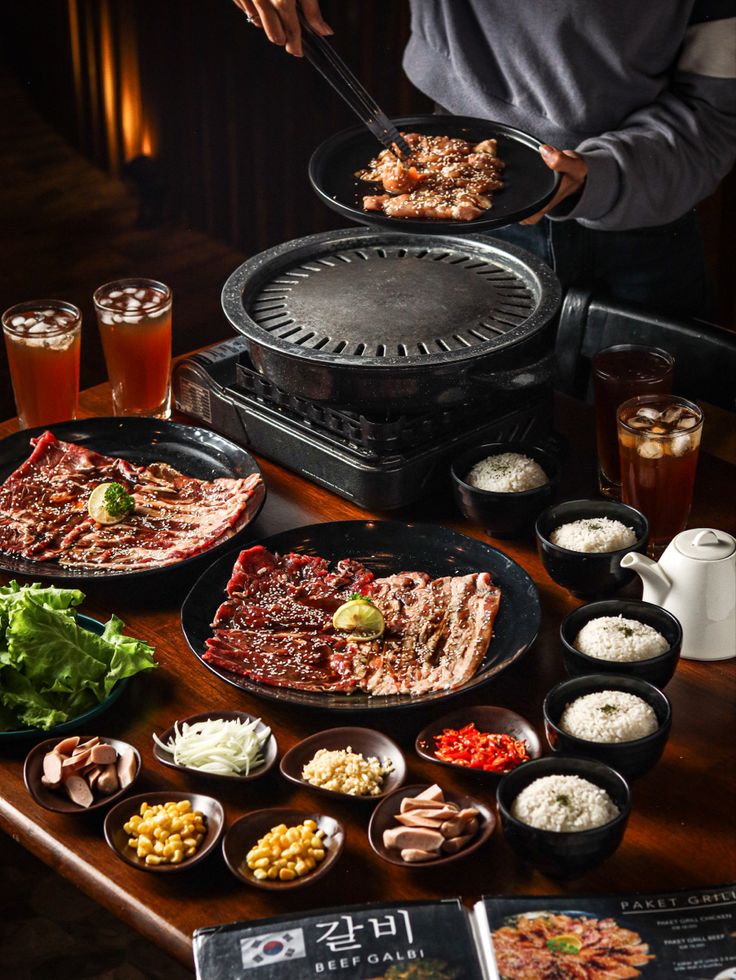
(369, 359)
(377, 463)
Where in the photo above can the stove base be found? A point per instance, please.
(205, 387)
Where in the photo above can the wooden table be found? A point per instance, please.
(681, 829)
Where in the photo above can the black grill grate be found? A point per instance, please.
(394, 302)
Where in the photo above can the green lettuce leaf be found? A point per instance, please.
(51, 669)
(62, 599)
(129, 656)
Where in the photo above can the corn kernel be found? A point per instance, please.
(286, 874)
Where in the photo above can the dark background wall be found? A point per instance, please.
(232, 119)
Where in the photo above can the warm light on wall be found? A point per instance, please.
(107, 80)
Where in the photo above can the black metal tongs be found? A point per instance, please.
(333, 69)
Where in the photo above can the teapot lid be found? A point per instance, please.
(705, 543)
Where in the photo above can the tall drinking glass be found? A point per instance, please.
(659, 442)
(134, 317)
(620, 373)
(42, 338)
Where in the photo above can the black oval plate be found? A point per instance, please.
(191, 450)
(530, 184)
(385, 547)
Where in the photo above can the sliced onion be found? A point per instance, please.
(227, 748)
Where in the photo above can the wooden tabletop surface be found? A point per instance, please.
(681, 829)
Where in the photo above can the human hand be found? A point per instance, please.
(574, 170)
(280, 20)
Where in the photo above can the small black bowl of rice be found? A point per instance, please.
(621, 721)
(581, 544)
(622, 636)
(502, 486)
(563, 815)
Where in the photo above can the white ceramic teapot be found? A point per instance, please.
(695, 580)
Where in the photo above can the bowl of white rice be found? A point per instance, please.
(622, 636)
(619, 720)
(581, 544)
(503, 486)
(564, 815)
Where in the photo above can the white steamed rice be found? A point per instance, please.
(507, 473)
(609, 716)
(564, 803)
(623, 640)
(593, 534)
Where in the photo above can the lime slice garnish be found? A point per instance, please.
(360, 618)
(565, 943)
(109, 503)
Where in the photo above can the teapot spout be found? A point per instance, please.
(656, 583)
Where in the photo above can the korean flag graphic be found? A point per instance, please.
(272, 947)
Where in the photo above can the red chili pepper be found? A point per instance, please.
(489, 751)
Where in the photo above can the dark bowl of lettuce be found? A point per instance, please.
(59, 668)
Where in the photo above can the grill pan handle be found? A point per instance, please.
(531, 375)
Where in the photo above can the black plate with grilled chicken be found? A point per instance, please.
(175, 521)
(528, 182)
(274, 635)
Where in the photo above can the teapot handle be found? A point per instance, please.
(706, 537)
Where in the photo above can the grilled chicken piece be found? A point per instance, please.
(446, 179)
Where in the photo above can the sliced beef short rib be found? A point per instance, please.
(275, 626)
(43, 509)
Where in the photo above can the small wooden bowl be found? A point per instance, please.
(366, 741)
(245, 832)
(117, 838)
(384, 817)
(487, 718)
(56, 799)
(270, 749)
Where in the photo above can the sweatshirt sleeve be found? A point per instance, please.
(668, 155)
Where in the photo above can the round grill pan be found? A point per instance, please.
(364, 317)
(529, 183)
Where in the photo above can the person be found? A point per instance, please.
(635, 104)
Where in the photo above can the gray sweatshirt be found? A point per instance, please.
(645, 90)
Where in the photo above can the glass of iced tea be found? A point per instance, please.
(620, 373)
(659, 440)
(42, 338)
(134, 316)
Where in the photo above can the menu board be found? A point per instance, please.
(394, 941)
(689, 935)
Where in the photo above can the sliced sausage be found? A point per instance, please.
(107, 781)
(411, 803)
(417, 818)
(433, 792)
(67, 745)
(92, 775)
(78, 790)
(455, 844)
(420, 838)
(414, 854)
(52, 768)
(454, 828)
(87, 745)
(75, 763)
(126, 766)
(103, 755)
